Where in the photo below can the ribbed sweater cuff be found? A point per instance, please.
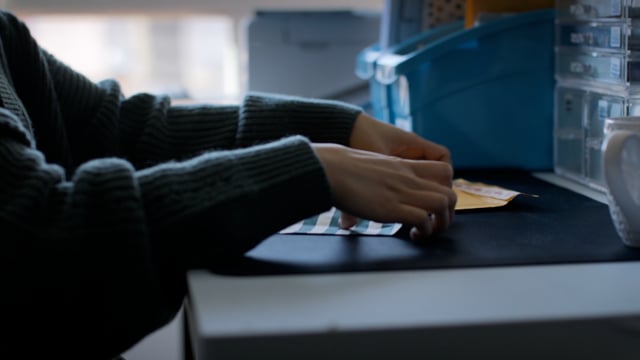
(265, 117)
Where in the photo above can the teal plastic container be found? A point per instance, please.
(367, 59)
(486, 92)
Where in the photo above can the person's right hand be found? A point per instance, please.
(390, 189)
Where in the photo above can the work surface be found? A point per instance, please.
(558, 226)
(543, 277)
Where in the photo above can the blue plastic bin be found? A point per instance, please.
(485, 92)
(366, 65)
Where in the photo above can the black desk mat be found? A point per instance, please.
(559, 226)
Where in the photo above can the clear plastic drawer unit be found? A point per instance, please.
(597, 72)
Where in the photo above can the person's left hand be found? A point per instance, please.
(373, 135)
(377, 136)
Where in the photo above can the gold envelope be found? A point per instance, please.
(476, 195)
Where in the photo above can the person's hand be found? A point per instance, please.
(374, 135)
(390, 189)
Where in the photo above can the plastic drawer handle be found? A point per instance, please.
(366, 61)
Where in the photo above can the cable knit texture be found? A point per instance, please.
(106, 201)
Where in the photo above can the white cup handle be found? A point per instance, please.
(618, 190)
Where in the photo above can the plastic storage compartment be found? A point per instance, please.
(599, 36)
(486, 92)
(599, 107)
(598, 9)
(634, 107)
(569, 131)
(609, 68)
(579, 128)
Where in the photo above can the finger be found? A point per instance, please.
(421, 233)
(441, 221)
(441, 153)
(436, 171)
(347, 221)
(440, 217)
(410, 145)
(437, 205)
(424, 224)
(433, 151)
(425, 230)
(430, 197)
(425, 194)
(431, 225)
(408, 215)
(421, 176)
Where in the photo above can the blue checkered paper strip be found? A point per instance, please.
(327, 223)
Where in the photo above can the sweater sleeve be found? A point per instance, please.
(153, 131)
(106, 201)
(98, 260)
(267, 116)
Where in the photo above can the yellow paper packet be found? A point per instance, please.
(476, 195)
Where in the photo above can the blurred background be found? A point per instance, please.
(193, 50)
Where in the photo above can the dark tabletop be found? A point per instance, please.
(559, 226)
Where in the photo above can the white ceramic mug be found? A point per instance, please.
(621, 162)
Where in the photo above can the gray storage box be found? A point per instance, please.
(308, 53)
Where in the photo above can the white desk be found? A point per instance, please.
(577, 311)
(571, 311)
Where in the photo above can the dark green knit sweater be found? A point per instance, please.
(106, 201)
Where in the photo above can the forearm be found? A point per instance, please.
(152, 130)
(240, 196)
(265, 117)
